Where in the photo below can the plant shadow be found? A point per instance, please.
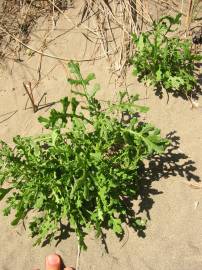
(195, 94)
(64, 233)
(173, 163)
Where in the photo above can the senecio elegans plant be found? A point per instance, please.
(84, 170)
(165, 61)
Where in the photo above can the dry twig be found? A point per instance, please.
(29, 91)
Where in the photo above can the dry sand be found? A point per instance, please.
(173, 207)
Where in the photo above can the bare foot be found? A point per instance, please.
(53, 262)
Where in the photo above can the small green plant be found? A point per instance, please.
(84, 171)
(164, 61)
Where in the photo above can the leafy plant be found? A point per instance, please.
(84, 171)
(164, 61)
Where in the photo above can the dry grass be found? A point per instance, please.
(194, 16)
(111, 25)
(18, 17)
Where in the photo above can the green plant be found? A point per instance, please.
(164, 61)
(84, 171)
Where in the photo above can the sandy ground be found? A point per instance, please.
(173, 206)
